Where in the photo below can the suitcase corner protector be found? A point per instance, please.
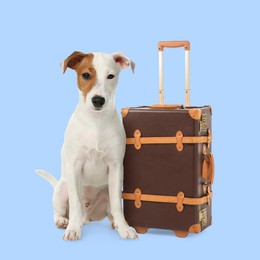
(195, 113)
(124, 112)
(196, 228)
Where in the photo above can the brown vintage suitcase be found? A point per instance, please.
(168, 165)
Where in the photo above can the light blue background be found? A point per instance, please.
(37, 101)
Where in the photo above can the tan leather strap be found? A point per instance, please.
(180, 199)
(178, 139)
(208, 168)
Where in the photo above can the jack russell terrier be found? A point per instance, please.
(93, 151)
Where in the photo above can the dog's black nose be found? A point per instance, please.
(98, 101)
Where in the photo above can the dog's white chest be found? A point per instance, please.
(95, 168)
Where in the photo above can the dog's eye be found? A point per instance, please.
(110, 76)
(86, 75)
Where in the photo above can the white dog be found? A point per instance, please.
(94, 146)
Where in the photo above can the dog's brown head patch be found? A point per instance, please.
(86, 73)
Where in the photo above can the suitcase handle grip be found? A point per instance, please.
(174, 44)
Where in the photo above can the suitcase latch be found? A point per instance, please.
(137, 143)
(179, 138)
(137, 196)
(180, 198)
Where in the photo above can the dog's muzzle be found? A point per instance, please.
(98, 101)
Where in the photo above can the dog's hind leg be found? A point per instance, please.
(61, 205)
(110, 217)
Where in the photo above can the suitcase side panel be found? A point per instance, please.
(204, 211)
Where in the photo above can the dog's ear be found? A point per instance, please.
(73, 61)
(123, 60)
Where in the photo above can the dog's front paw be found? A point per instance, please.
(72, 233)
(126, 232)
(61, 222)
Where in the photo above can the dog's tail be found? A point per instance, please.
(47, 176)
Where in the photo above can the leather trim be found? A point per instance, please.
(196, 228)
(137, 142)
(124, 112)
(208, 168)
(137, 196)
(195, 113)
(178, 139)
(180, 199)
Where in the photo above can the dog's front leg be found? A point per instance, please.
(73, 175)
(115, 179)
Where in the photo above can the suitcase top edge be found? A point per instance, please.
(165, 109)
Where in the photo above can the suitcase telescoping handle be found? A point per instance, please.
(174, 44)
